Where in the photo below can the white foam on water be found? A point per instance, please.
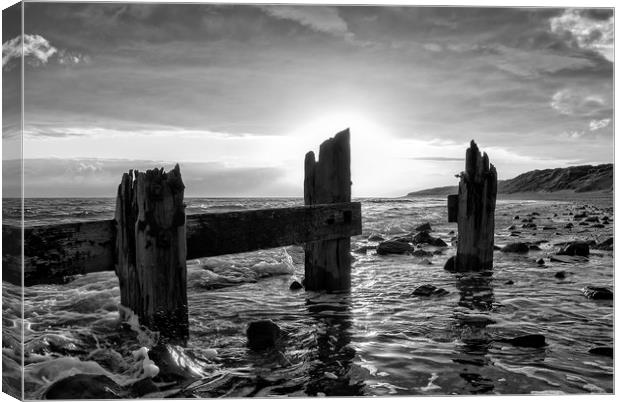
(283, 267)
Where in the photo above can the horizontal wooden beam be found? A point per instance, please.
(54, 252)
(235, 232)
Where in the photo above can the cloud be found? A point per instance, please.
(36, 49)
(433, 47)
(599, 124)
(322, 19)
(586, 30)
(577, 102)
(82, 177)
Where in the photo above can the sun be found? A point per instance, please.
(366, 134)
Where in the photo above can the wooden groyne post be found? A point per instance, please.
(151, 250)
(150, 238)
(474, 210)
(328, 180)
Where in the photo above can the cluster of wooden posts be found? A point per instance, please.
(150, 238)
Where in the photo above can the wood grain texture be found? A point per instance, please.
(453, 208)
(328, 180)
(476, 212)
(55, 252)
(52, 253)
(235, 232)
(151, 266)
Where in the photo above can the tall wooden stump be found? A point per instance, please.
(151, 250)
(328, 180)
(476, 212)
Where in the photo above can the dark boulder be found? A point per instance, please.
(295, 286)
(528, 341)
(580, 216)
(529, 226)
(450, 264)
(425, 227)
(422, 253)
(423, 237)
(548, 228)
(598, 293)
(560, 274)
(575, 248)
(602, 351)
(606, 245)
(509, 282)
(403, 239)
(540, 261)
(437, 242)
(142, 387)
(429, 290)
(394, 247)
(568, 226)
(262, 335)
(84, 386)
(516, 248)
(516, 217)
(593, 219)
(512, 227)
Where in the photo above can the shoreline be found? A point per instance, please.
(567, 195)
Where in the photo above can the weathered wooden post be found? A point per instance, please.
(151, 250)
(328, 180)
(475, 213)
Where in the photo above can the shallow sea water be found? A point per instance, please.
(378, 339)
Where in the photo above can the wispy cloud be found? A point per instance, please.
(599, 124)
(577, 102)
(587, 31)
(81, 177)
(318, 18)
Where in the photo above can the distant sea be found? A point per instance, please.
(378, 340)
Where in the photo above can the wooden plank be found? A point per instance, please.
(53, 252)
(235, 232)
(328, 180)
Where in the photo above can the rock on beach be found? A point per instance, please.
(598, 293)
(394, 247)
(262, 335)
(580, 248)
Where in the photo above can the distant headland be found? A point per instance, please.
(585, 179)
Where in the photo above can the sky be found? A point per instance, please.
(237, 94)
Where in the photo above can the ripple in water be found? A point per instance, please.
(379, 339)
